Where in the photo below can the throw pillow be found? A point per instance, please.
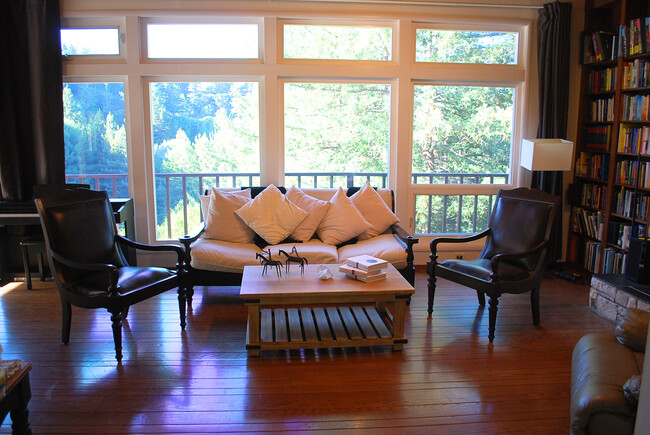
(272, 215)
(316, 209)
(222, 222)
(342, 221)
(374, 210)
(632, 389)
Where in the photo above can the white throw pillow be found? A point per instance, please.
(222, 223)
(342, 221)
(272, 215)
(316, 209)
(374, 210)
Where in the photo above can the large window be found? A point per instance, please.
(95, 136)
(203, 134)
(336, 134)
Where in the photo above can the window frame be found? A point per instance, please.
(118, 23)
(144, 41)
(339, 23)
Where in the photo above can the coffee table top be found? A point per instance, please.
(254, 285)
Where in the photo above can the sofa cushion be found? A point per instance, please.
(271, 215)
(222, 222)
(632, 328)
(342, 221)
(385, 246)
(315, 251)
(374, 210)
(316, 209)
(220, 256)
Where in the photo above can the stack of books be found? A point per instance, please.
(364, 268)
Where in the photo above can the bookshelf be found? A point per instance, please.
(610, 193)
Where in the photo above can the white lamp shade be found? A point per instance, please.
(546, 154)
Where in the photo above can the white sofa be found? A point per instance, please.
(219, 263)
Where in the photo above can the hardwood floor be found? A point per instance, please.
(448, 379)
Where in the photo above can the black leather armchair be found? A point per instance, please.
(513, 257)
(88, 265)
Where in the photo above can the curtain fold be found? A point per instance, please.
(31, 97)
(553, 56)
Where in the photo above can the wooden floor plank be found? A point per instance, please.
(448, 379)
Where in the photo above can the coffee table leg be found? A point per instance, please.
(398, 323)
(253, 344)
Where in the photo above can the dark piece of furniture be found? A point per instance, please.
(214, 278)
(17, 395)
(604, 393)
(86, 258)
(513, 257)
(37, 245)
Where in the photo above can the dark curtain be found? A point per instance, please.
(553, 55)
(31, 97)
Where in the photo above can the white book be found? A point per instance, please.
(358, 272)
(369, 278)
(367, 263)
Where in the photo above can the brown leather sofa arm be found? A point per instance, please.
(632, 328)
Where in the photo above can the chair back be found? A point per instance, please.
(79, 225)
(522, 219)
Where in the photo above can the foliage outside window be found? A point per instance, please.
(342, 129)
(452, 214)
(456, 46)
(204, 134)
(202, 41)
(338, 42)
(462, 134)
(95, 136)
(92, 41)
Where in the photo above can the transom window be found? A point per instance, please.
(338, 42)
(466, 46)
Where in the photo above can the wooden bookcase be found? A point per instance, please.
(610, 193)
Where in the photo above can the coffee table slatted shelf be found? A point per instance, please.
(298, 311)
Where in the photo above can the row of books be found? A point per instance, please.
(619, 234)
(627, 40)
(601, 110)
(364, 268)
(598, 137)
(635, 107)
(584, 251)
(633, 173)
(632, 205)
(592, 165)
(633, 140)
(636, 74)
(593, 196)
(614, 261)
(587, 222)
(602, 80)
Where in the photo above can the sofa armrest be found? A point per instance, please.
(632, 328)
(190, 238)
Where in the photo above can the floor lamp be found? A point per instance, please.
(550, 155)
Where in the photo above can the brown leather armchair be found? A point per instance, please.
(89, 268)
(513, 257)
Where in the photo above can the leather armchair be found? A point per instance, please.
(513, 257)
(89, 268)
(602, 398)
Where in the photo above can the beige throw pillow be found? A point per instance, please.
(342, 221)
(272, 215)
(374, 210)
(316, 209)
(222, 223)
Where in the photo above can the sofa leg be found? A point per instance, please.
(431, 287)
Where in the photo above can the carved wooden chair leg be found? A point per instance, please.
(432, 292)
(493, 308)
(125, 312)
(534, 304)
(116, 319)
(182, 298)
(66, 317)
(481, 298)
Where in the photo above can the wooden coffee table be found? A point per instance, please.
(297, 311)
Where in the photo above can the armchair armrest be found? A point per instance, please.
(434, 242)
(501, 257)
(179, 251)
(110, 269)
